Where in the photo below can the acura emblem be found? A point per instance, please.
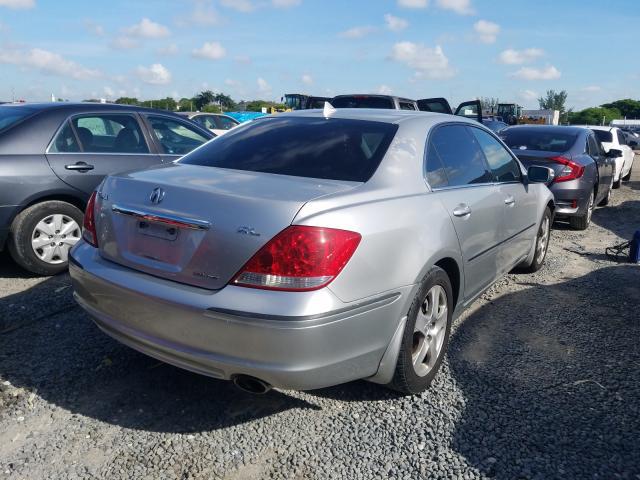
(157, 195)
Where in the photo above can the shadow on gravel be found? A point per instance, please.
(49, 346)
(551, 377)
(621, 220)
(9, 268)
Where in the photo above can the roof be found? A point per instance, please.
(375, 95)
(600, 127)
(550, 128)
(88, 106)
(372, 114)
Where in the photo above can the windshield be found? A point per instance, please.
(334, 149)
(10, 115)
(603, 135)
(362, 101)
(543, 140)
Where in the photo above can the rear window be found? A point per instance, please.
(543, 140)
(363, 102)
(603, 135)
(334, 149)
(11, 115)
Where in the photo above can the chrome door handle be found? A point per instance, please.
(509, 200)
(79, 166)
(462, 210)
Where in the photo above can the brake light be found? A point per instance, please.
(571, 169)
(89, 225)
(300, 258)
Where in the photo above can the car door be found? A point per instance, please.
(627, 153)
(460, 178)
(175, 137)
(89, 146)
(437, 105)
(519, 202)
(471, 110)
(606, 165)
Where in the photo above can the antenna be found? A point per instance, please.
(328, 110)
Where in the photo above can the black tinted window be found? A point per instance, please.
(621, 139)
(502, 164)
(603, 135)
(363, 102)
(103, 133)
(407, 106)
(337, 149)
(461, 155)
(540, 139)
(65, 141)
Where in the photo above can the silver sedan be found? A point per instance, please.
(311, 248)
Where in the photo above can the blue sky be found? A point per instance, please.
(460, 49)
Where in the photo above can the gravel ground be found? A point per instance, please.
(542, 381)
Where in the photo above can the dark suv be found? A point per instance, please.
(52, 156)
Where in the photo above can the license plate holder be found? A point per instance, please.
(157, 230)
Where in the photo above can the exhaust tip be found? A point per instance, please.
(250, 384)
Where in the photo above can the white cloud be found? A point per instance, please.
(244, 6)
(94, 28)
(156, 74)
(518, 57)
(395, 23)
(47, 62)
(528, 95)
(263, 86)
(203, 14)
(147, 29)
(307, 79)
(285, 3)
(528, 73)
(170, 49)
(124, 43)
(384, 90)
(17, 4)
(357, 32)
(413, 3)
(487, 31)
(591, 88)
(463, 7)
(427, 62)
(210, 51)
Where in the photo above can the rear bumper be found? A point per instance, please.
(290, 340)
(571, 198)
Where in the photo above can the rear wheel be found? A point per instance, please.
(426, 334)
(605, 201)
(583, 221)
(42, 235)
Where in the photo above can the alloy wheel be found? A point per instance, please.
(543, 239)
(429, 331)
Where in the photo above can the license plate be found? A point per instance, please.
(157, 230)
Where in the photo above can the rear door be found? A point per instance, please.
(471, 110)
(175, 137)
(460, 178)
(518, 201)
(90, 146)
(606, 165)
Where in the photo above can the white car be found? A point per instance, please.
(214, 122)
(613, 137)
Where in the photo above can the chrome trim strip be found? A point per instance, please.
(174, 221)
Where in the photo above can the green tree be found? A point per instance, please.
(204, 98)
(186, 104)
(628, 108)
(554, 101)
(594, 116)
(225, 101)
(127, 101)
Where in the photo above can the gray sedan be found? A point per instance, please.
(311, 248)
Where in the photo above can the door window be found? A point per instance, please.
(175, 137)
(621, 139)
(461, 155)
(406, 106)
(225, 123)
(594, 148)
(207, 121)
(108, 133)
(502, 164)
(65, 141)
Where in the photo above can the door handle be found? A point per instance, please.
(509, 200)
(462, 210)
(79, 166)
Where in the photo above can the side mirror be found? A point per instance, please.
(614, 153)
(538, 174)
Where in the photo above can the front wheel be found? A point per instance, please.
(426, 334)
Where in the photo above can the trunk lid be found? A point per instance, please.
(542, 158)
(207, 223)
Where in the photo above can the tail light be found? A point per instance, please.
(89, 226)
(300, 258)
(570, 171)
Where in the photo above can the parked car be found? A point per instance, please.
(612, 137)
(302, 251)
(217, 123)
(493, 124)
(583, 170)
(53, 155)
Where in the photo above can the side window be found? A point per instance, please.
(225, 123)
(406, 106)
(110, 133)
(461, 155)
(175, 137)
(436, 175)
(594, 149)
(65, 141)
(205, 121)
(621, 138)
(502, 164)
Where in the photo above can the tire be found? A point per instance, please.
(35, 225)
(627, 177)
(605, 201)
(618, 182)
(582, 222)
(543, 237)
(407, 378)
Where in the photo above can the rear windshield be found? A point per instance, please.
(335, 149)
(11, 115)
(363, 102)
(538, 139)
(603, 135)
